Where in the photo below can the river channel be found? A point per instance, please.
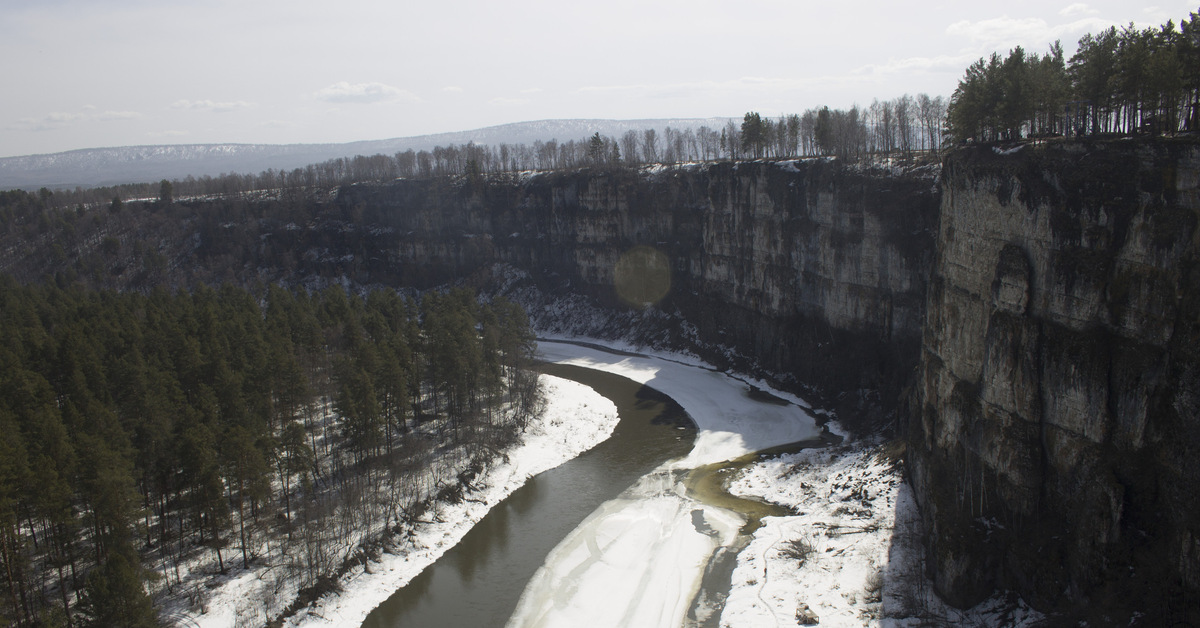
(480, 581)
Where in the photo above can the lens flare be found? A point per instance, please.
(642, 276)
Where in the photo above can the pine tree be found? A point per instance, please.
(115, 595)
(754, 133)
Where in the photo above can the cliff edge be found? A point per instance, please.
(1056, 415)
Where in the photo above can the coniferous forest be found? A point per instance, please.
(142, 435)
(1118, 81)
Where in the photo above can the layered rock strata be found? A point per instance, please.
(1056, 422)
(816, 271)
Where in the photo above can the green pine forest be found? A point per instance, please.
(1120, 81)
(142, 434)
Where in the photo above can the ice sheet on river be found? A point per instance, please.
(638, 560)
(730, 423)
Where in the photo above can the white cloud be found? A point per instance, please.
(62, 119)
(998, 29)
(364, 93)
(532, 90)
(952, 63)
(1079, 8)
(738, 85)
(452, 89)
(159, 134)
(1003, 32)
(508, 102)
(118, 115)
(209, 105)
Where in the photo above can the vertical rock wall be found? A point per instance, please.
(813, 271)
(1056, 421)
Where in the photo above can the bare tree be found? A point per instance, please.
(669, 156)
(710, 143)
(932, 114)
(905, 113)
(732, 136)
(629, 146)
(650, 145)
(691, 148)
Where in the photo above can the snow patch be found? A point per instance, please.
(850, 556)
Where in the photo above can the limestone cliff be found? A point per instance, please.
(1056, 420)
(816, 270)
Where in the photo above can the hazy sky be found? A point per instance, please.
(92, 73)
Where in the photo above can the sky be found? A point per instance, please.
(100, 73)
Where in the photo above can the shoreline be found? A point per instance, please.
(576, 419)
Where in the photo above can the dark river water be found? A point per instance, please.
(479, 582)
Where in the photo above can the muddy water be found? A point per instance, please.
(480, 580)
(710, 484)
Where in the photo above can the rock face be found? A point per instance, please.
(1056, 416)
(815, 270)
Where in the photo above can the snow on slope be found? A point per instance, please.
(851, 556)
(576, 419)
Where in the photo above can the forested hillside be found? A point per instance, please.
(162, 437)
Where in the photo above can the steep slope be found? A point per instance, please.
(815, 270)
(1057, 414)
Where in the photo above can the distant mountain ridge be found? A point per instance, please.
(92, 167)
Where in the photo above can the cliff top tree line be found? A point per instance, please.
(1121, 81)
(902, 126)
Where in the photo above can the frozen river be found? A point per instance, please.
(613, 537)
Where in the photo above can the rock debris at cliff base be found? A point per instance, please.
(850, 556)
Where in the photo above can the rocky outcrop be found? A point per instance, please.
(815, 271)
(1056, 420)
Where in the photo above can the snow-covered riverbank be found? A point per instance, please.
(731, 424)
(575, 420)
(850, 556)
(639, 559)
